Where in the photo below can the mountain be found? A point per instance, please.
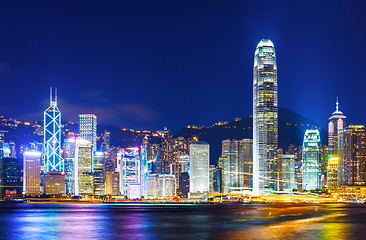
(291, 129)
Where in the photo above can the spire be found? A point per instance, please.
(337, 105)
(56, 95)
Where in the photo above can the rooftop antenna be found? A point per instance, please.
(50, 95)
(56, 95)
(337, 105)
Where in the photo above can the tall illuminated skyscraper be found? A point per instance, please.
(199, 161)
(52, 137)
(336, 123)
(311, 166)
(88, 129)
(352, 156)
(83, 168)
(32, 172)
(265, 118)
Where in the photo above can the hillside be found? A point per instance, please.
(291, 129)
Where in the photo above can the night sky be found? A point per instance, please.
(150, 64)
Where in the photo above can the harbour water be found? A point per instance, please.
(180, 221)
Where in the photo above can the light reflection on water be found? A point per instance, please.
(149, 221)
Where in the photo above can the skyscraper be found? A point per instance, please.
(130, 168)
(32, 172)
(98, 173)
(52, 137)
(286, 172)
(336, 123)
(88, 129)
(265, 118)
(311, 168)
(199, 160)
(83, 168)
(69, 158)
(352, 153)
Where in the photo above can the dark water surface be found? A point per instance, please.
(181, 221)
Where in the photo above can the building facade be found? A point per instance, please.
(336, 123)
(265, 118)
(130, 168)
(352, 153)
(286, 172)
(199, 167)
(84, 168)
(311, 167)
(52, 137)
(32, 172)
(88, 129)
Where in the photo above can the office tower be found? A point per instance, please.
(199, 160)
(336, 123)
(88, 129)
(211, 172)
(144, 169)
(232, 166)
(286, 173)
(265, 118)
(332, 172)
(184, 163)
(106, 144)
(218, 178)
(246, 153)
(52, 137)
(32, 172)
(324, 155)
(183, 182)
(112, 183)
(166, 185)
(11, 177)
(351, 151)
(55, 183)
(152, 186)
(167, 149)
(297, 152)
(98, 173)
(130, 168)
(69, 158)
(155, 165)
(311, 167)
(83, 168)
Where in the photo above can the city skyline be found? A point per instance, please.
(135, 68)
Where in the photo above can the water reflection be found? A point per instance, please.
(121, 221)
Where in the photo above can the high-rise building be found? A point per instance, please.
(332, 172)
(11, 184)
(246, 153)
(232, 166)
(32, 172)
(265, 118)
(199, 160)
(152, 186)
(183, 188)
(144, 169)
(311, 166)
(336, 123)
(112, 183)
(130, 168)
(286, 172)
(55, 183)
(88, 129)
(69, 158)
(166, 185)
(83, 168)
(52, 137)
(352, 153)
(98, 173)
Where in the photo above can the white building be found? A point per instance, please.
(199, 162)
